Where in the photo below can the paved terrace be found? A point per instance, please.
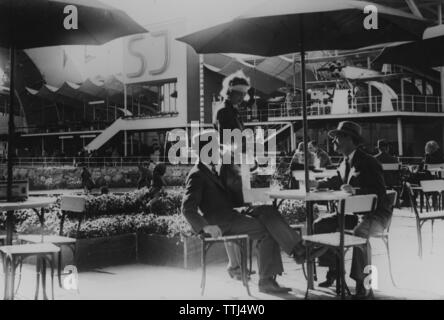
(416, 278)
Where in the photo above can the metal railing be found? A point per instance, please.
(135, 161)
(373, 104)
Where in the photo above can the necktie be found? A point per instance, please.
(347, 169)
(213, 170)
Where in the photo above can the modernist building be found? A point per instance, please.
(165, 85)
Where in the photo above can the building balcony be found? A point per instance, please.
(375, 106)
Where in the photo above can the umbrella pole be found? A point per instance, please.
(309, 205)
(11, 130)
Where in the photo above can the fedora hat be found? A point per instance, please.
(348, 128)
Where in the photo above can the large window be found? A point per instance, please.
(153, 98)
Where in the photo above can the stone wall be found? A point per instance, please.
(48, 178)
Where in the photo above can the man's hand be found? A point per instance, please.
(213, 230)
(348, 188)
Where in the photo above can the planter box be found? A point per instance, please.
(176, 252)
(102, 252)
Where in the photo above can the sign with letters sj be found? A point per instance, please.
(155, 56)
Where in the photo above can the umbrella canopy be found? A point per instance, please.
(426, 53)
(274, 28)
(286, 26)
(28, 24)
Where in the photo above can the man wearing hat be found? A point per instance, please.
(383, 155)
(359, 173)
(208, 206)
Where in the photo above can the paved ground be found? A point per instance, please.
(416, 278)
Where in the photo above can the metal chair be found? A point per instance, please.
(340, 241)
(429, 186)
(384, 235)
(242, 241)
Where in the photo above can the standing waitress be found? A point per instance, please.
(234, 91)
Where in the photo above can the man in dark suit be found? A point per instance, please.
(208, 206)
(359, 173)
(383, 155)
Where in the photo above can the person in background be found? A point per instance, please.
(433, 154)
(383, 155)
(297, 162)
(87, 182)
(145, 176)
(157, 184)
(321, 157)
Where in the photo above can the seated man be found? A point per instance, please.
(383, 155)
(359, 173)
(205, 192)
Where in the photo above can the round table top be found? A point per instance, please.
(30, 203)
(311, 196)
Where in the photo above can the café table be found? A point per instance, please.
(33, 203)
(309, 198)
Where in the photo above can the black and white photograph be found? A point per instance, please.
(240, 151)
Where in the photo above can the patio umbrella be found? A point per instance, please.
(426, 53)
(287, 26)
(28, 24)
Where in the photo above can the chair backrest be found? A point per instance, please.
(434, 166)
(393, 198)
(359, 204)
(391, 166)
(432, 185)
(408, 188)
(73, 204)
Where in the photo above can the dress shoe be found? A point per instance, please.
(331, 278)
(235, 273)
(300, 256)
(270, 286)
(362, 293)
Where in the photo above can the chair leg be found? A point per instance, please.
(244, 270)
(59, 267)
(37, 271)
(51, 262)
(433, 222)
(45, 297)
(418, 231)
(342, 273)
(387, 247)
(203, 262)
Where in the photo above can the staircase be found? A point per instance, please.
(129, 124)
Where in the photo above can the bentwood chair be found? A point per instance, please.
(434, 212)
(242, 241)
(340, 241)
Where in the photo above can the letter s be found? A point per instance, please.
(138, 55)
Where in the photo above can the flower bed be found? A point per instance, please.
(163, 237)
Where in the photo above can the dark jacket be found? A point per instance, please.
(205, 192)
(367, 175)
(228, 118)
(383, 157)
(434, 158)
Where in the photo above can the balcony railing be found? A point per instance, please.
(134, 161)
(360, 105)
